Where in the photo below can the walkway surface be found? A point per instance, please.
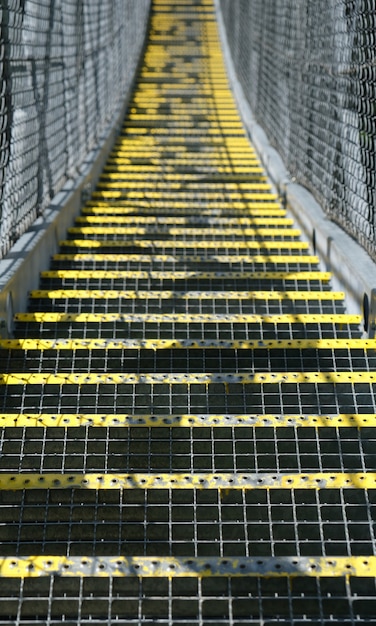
(188, 411)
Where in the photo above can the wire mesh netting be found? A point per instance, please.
(66, 67)
(308, 71)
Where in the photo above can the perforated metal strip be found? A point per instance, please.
(182, 317)
(212, 420)
(178, 275)
(144, 213)
(209, 222)
(200, 244)
(186, 295)
(187, 379)
(168, 258)
(159, 195)
(171, 567)
(192, 344)
(187, 232)
(333, 480)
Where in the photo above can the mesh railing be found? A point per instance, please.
(65, 68)
(308, 70)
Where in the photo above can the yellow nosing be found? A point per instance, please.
(246, 481)
(198, 232)
(133, 182)
(115, 178)
(238, 378)
(191, 344)
(207, 194)
(97, 420)
(185, 317)
(210, 221)
(174, 208)
(165, 243)
(179, 275)
(228, 259)
(185, 295)
(192, 567)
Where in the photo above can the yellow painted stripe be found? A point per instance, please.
(135, 115)
(252, 178)
(235, 145)
(187, 567)
(123, 161)
(179, 275)
(165, 243)
(193, 132)
(243, 480)
(191, 344)
(175, 209)
(214, 155)
(134, 182)
(212, 221)
(198, 232)
(225, 258)
(69, 420)
(186, 295)
(258, 378)
(166, 195)
(177, 318)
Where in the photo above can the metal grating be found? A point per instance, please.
(66, 69)
(188, 413)
(308, 73)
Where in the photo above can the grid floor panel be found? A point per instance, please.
(192, 450)
(181, 305)
(187, 360)
(186, 330)
(278, 398)
(189, 602)
(186, 523)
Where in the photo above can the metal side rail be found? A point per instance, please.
(188, 412)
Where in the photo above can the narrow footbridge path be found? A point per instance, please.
(187, 410)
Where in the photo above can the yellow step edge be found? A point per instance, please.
(137, 230)
(183, 318)
(182, 275)
(218, 480)
(223, 172)
(74, 420)
(187, 567)
(153, 146)
(135, 130)
(174, 210)
(124, 161)
(167, 182)
(186, 295)
(227, 259)
(140, 207)
(166, 195)
(114, 178)
(258, 378)
(185, 117)
(119, 163)
(211, 222)
(200, 245)
(187, 344)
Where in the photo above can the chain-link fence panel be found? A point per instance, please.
(308, 70)
(65, 68)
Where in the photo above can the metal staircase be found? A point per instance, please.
(188, 412)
